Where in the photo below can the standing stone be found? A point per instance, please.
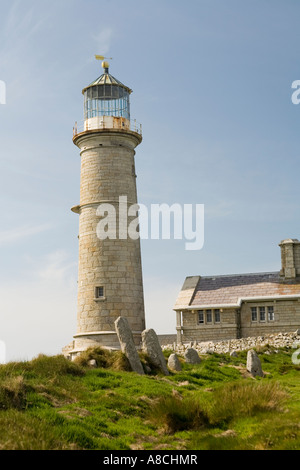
(191, 356)
(174, 363)
(253, 364)
(153, 349)
(127, 344)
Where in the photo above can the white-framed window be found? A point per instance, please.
(271, 316)
(253, 313)
(99, 292)
(262, 314)
(208, 316)
(200, 316)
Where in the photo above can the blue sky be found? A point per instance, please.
(211, 86)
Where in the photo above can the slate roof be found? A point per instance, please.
(231, 290)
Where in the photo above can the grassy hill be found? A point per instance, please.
(51, 403)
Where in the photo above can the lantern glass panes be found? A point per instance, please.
(106, 100)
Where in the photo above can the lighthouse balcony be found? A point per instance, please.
(107, 122)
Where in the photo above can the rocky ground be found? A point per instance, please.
(279, 340)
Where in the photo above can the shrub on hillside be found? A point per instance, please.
(243, 398)
(54, 365)
(13, 393)
(104, 358)
(178, 414)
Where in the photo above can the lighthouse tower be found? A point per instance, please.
(109, 273)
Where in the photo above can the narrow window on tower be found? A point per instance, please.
(99, 292)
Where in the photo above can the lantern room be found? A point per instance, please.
(105, 99)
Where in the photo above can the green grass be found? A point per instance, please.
(51, 403)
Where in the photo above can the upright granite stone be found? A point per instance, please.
(191, 356)
(174, 363)
(153, 349)
(127, 344)
(253, 364)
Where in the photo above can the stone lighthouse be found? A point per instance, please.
(110, 280)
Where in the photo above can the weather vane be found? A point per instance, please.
(101, 57)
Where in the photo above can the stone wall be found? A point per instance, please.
(289, 339)
(167, 339)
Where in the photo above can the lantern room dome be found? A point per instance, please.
(107, 79)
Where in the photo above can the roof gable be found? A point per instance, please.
(187, 291)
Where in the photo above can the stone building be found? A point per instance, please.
(110, 281)
(213, 308)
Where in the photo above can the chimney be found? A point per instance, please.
(290, 258)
